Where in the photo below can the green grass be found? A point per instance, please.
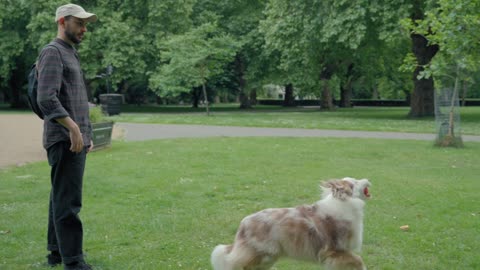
(220, 107)
(5, 109)
(165, 204)
(391, 119)
(366, 118)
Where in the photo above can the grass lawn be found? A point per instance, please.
(166, 204)
(392, 119)
(361, 118)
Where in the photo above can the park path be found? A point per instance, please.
(21, 135)
(141, 132)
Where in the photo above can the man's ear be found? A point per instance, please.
(61, 20)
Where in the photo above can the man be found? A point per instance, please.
(62, 96)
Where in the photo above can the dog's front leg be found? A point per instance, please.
(355, 243)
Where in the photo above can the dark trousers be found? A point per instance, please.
(65, 232)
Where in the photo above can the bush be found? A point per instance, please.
(96, 114)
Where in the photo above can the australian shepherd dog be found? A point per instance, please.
(328, 232)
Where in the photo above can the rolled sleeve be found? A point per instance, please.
(50, 73)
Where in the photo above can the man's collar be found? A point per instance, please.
(64, 43)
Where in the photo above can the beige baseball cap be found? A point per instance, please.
(75, 11)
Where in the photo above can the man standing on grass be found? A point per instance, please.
(62, 96)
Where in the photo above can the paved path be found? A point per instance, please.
(21, 135)
(141, 132)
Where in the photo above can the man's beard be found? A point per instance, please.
(71, 36)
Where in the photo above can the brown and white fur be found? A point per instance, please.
(327, 232)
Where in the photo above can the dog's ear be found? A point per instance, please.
(327, 184)
(325, 189)
(340, 189)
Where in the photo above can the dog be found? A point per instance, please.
(329, 232)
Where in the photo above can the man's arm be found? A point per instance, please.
(50, 73)
(75, 134)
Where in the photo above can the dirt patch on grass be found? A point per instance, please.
(21, 139)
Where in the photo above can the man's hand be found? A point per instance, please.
(76, 139)
(91, 147)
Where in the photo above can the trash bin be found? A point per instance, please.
(111, 103)
(102, 134)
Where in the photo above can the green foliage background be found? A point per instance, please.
(242, 45)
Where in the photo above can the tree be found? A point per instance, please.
(317, 47)
(422, 98)
(239, 19)
(320, 39)
(429, 22)
(191, 59)
(264, 67)
(129, 38)
(453, 28)
(14, 17)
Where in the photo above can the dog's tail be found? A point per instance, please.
(218, 258)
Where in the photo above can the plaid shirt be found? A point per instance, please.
(62, 93)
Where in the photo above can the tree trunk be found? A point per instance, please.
(375, 94)
(224, 98)
(88, 85)
(195, 97)
(253, 96)
(346, 91)
(464, 93)
(346, 95)
(204, 89)
(408, 97)
(422, 100)
(289, 100)
(240, 75)
(16, 82)
(244, 101)
(326, 102)
(124, 85)
(2, 96)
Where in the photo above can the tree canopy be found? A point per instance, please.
(453, 26)
(191, 59)
(332, 50)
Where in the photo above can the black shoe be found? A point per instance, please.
(54, 259)
(78, 266)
